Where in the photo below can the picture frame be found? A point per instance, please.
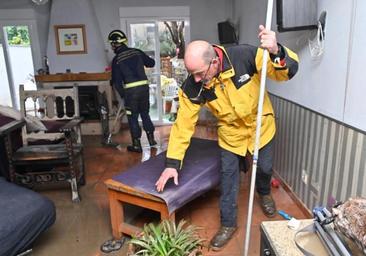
(70, 39)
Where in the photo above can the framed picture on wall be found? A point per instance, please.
(70, 39)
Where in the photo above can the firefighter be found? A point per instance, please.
(130, 81)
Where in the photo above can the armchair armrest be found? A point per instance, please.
(12, 126)
(70, 125)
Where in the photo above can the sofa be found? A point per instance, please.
(24, 214)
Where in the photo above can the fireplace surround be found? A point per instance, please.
(89, 84)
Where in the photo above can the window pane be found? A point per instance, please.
(20, 55)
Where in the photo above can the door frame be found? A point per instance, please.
(35, 50)
(130, 21)
(154, 14)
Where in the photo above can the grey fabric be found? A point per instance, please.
(200, 173)
(24, 215)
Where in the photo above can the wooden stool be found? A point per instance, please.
(119, 194)
(136, 186)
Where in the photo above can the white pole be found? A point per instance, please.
(258, 131)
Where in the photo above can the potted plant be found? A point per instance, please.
(167, 239)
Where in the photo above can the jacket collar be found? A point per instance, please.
(227, 68)
(121, 48)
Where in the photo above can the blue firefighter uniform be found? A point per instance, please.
(130, 80)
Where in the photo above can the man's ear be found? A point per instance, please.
(215, 60)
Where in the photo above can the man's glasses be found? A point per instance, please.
(203, 82)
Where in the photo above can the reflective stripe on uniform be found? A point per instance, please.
(128, 112)
(137, 83)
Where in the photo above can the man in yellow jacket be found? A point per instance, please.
(227, 81)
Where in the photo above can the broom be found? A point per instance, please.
(258, 131)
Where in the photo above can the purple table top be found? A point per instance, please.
(200, 173)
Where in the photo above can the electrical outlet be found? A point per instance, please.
(304, 176)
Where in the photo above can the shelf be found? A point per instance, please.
(73, 77)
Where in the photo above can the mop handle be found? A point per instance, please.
(258, 131)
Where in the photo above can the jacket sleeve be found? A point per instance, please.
(280, 67)
(117, 78)
(148, 61)
(182, 131)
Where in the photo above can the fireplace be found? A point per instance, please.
(89, 86)
(88, 102)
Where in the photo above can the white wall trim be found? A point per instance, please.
(154, 11)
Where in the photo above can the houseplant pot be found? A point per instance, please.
(167, 239)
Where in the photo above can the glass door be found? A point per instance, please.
(172, 36)
(142, 36)
(16, 62)
(165, 42)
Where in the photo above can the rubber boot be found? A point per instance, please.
(135, 147)
(150, 138)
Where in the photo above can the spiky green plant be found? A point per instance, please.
(168, 239)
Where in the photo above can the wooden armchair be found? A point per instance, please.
(10, 130)
(54, 154)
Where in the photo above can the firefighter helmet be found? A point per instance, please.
(117, 37)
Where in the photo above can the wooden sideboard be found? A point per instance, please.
(100, 80)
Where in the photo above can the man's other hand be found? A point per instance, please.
(268, 40)
(165, 176)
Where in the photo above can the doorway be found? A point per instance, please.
(160, 31)
(16, 61)
(163, 40)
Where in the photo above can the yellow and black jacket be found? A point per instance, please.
(232, 97)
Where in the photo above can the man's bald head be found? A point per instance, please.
(198, 53)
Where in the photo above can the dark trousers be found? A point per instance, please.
(137, 103)
(230, 177)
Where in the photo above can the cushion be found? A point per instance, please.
(5, 120)
(200, 173)
(33, 123)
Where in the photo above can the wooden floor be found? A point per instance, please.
(80, 229)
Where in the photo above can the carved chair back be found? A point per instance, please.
(47, 110)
